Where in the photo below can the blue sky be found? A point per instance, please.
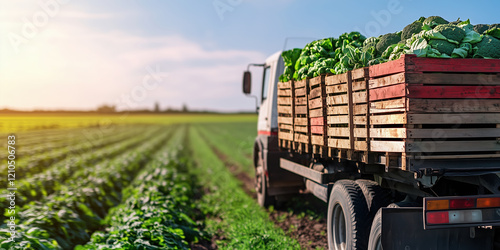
(131, 53)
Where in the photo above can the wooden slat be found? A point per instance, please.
(316, 80)
(340, 88)
(360, 120)
(336, 99)
(387, 146)
(300, 84)
(301, 138)
(475, 156)
(390, 104)
(285, 109)
(285, 85)
(339, 143)
(317, 121)
(301, 101)
(317, 140)
(359, 85)
(453, 106)
(340, 119)
(336, 79)
(284, 92)
(388, 68)
(393, 91)
(315, 93)
(315, 103)
(443, 134)
(338, 132)
(422, 64)
(317, 130)
(388, 133)
(285, 126)
(388, 119)
(301, 121)
(457, 118)
(316, 112)
(388, 80)
(302, 129)
(361, 132)
(300, 110)
(285, 100)
(481, 92)
(359, 73)
(285, 120)
(360, 109)
(359, 97)
(453, 79)
(285, 136)
(300, 92)
(361, 145)
(453, 146)
(338, 110)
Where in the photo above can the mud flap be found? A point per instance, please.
(402, 229)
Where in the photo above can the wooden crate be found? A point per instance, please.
(339, 115)
(302, 136)
(285, 114)
(317, 114)
(361, 113)
(434, 109)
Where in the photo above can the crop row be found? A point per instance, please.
(34, 143)
(37, 163)
(45, 183)
(245, 225)
(156, 212)
(71, 214)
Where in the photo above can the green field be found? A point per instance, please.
(141, 182)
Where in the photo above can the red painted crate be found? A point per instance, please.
(285, 114)
(317, 114)
(431, 108)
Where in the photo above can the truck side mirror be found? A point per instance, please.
(247, 82)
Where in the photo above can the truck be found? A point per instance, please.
(405, 154)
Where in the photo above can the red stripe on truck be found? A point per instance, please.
(268, 133)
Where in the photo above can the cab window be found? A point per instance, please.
(265, 82)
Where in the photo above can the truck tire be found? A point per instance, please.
(261, 188)
(347, 216)
(375, 196)
(375, 239)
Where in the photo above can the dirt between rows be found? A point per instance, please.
(302, 217)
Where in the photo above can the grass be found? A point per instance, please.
(13, 123)
(231, 212)
(233, 140)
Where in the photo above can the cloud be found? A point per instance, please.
(76, 66)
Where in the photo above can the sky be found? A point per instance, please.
(78, 55)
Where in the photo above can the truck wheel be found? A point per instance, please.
(375, 196)
(261, 185)
(375, 240)
(347, 216)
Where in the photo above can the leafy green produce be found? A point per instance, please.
(387, 40)
(411, 29)
(489, 47)
(434, 21)
(481, 28)
(426, 37)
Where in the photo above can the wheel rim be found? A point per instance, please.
(339, 228)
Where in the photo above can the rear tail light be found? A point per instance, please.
(460, 211)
